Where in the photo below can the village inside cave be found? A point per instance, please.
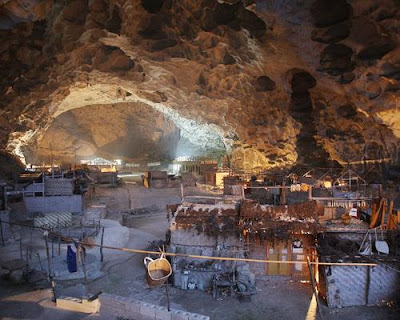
(200, 159)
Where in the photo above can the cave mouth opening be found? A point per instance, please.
(132, 132)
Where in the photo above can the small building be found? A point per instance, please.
(207, 230)
(286, 235)
(52, 195)
(280, 233)
(243, 229)
(358, 285)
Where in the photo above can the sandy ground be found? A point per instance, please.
(123, 274)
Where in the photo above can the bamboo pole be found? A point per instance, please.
(383, 215)
(314, 288)
(229, 258)
(210, 257)
(375, 215)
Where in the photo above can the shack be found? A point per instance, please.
(208, 230)
(345, 286)
(241, 229)
(52, 195)
(286, 233)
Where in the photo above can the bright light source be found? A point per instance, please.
(328, 184)
(183, 158)
(176, 168)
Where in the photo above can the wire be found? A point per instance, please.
(383, 264)
(197, 256)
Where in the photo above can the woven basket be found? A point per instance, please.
(158, 270)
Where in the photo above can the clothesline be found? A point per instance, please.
(173, 254)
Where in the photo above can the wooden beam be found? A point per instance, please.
(383, 226)
(375, 215)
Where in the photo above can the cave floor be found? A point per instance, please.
(124, 275)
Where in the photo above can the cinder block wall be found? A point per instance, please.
(360, 285)
(117, 306)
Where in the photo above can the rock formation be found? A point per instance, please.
(272, 83)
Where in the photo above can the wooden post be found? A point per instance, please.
(383, 226)
(82, 258)
(313, 287)
(368, 285)
(167, 291)
(26, 259)
(283, 194)
(182, 194)
(101, 243)
(389, 219)
(59, 245)
(49, 276)
(52, 249)
(20, 248)
(1, 231)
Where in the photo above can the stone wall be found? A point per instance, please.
(116, 306)
(192, 273)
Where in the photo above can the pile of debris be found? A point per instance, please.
(210, 219)
(249, 217)
(308, 211)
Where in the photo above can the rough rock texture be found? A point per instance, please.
(134, 131)
(273, 83)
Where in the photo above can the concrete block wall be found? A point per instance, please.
(360, 285)
(190, 242)
(72, 203)
(117, 306)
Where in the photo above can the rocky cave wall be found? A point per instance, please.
(274, 83)
(133, 132)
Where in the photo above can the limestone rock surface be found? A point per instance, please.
(272, 83)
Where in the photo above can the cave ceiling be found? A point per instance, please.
(271, 83)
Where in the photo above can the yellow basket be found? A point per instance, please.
(158, 270)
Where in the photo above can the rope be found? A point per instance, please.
(202, 257)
